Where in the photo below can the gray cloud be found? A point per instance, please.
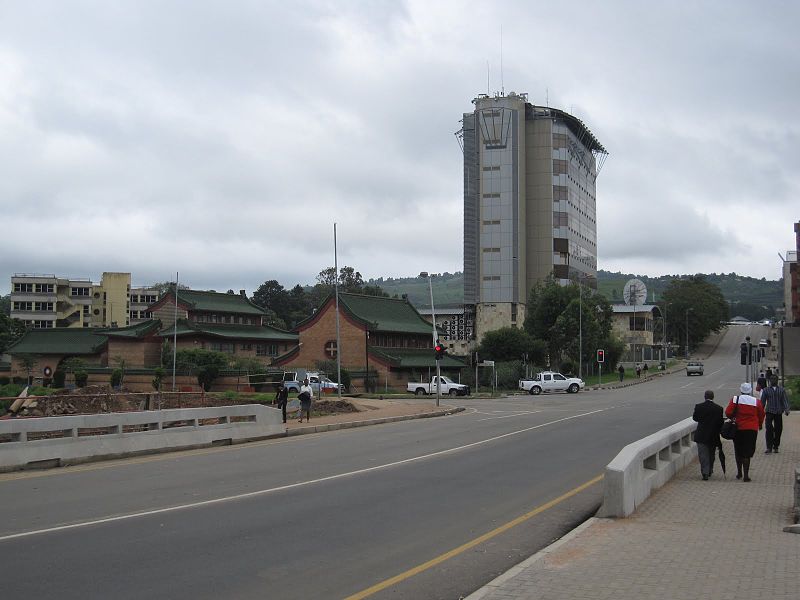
(224, 141)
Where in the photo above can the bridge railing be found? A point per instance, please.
(54, 441)
(644, 466)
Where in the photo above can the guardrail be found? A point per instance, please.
(56, 441)
(644, 466)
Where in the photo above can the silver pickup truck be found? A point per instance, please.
(694, 367)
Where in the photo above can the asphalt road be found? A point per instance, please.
(416, 509)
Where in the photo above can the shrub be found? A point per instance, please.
(58, 378)
(116, 378)
(5, 380)
(158, 375)
(81, 378)
(10, 390)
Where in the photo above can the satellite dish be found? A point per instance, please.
(634, 292)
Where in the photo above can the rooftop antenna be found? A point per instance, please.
(502, 86)
(547, 97)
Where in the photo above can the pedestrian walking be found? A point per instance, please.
(638, 371)
(306, 396)
(776, 404)
(769, 374)
(282, 398)
(708, 415)
(761, 382)
(644, 368)
(621, 372)
(749, 415)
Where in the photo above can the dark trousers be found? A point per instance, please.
(774, 423)
(283, 410)
(706, 453)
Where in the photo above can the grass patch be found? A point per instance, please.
(793, 391)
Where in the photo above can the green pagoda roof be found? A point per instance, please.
(134, 331)
(249, 332)
(384, 314)
(415, 357)
(60, 340)
(215, 302)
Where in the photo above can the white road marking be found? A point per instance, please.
(683, 387)
(715, 372)
(158, 511)
(516, 414)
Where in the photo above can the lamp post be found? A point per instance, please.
(687, 332)
(433, 321)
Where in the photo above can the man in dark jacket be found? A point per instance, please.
(775, 402)
(708, 415)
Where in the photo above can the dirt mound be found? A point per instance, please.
(334, 407)
(89, 400)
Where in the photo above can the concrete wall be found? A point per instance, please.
(644, 466)
(56, 441)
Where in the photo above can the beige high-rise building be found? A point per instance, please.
(529, 204)
(44, 301)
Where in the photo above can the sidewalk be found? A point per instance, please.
(371, 412)
(717, 539)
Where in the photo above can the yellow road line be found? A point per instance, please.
(471, 544)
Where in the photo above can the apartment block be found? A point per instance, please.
(529, 204)
(44, 301)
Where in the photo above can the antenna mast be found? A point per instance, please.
(502, 85)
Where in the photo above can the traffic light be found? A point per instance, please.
(601, 356)
(743, 350)
(439, 350)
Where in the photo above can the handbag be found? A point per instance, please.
(729, 427)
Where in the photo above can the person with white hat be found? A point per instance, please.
(749, 414)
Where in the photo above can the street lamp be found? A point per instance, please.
(687, 332)
(433, 321)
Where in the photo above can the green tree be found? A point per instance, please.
(10, 331)
(5, 305)
(27, 362)
(695, 301)
(572, 322)
(204, 364)
(510, 343)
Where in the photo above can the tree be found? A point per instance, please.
(572, 322)
(510, 343)
(10, 331)
(28, 362)
(5, 305)
(698, 302)
(163, 287)
(204, 364)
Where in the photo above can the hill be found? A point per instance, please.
(749, 297)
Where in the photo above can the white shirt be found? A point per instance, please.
(307, 388)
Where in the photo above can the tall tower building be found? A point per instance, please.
(529, 204)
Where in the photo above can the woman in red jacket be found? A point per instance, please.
(749, 419)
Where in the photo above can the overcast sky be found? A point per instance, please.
(223, 139)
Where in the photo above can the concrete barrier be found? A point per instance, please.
(644, 466)
(56, 441)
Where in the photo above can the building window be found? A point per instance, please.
(491, 249)
(560, 167)
(266, 350)
(43, 306)
(331, 349)
(223, 347)
(23, 288)
(43, 288)
(79, 291)
(560, 193)
(26, 306)
(493, 195)
(559, 140)
(247, 347)
(492, 168)
(560, 219)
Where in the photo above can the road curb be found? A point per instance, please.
(519, 568)
(379, 421)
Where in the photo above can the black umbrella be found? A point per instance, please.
(721, 456)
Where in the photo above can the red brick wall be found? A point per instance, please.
(52, 360)
(321, 330)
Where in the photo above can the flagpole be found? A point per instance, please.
(338, 340)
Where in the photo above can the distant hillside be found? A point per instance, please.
(746, 294)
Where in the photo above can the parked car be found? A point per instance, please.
(294, 379)
(549, 381)
(694, 367)
(446, 386)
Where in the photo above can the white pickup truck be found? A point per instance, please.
(446, 386)
(548, 381)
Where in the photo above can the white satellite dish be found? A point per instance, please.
(634, 292)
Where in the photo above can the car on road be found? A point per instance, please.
(446, 386)
(550, 381)
(694, 367)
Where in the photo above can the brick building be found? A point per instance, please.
(383, 336)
